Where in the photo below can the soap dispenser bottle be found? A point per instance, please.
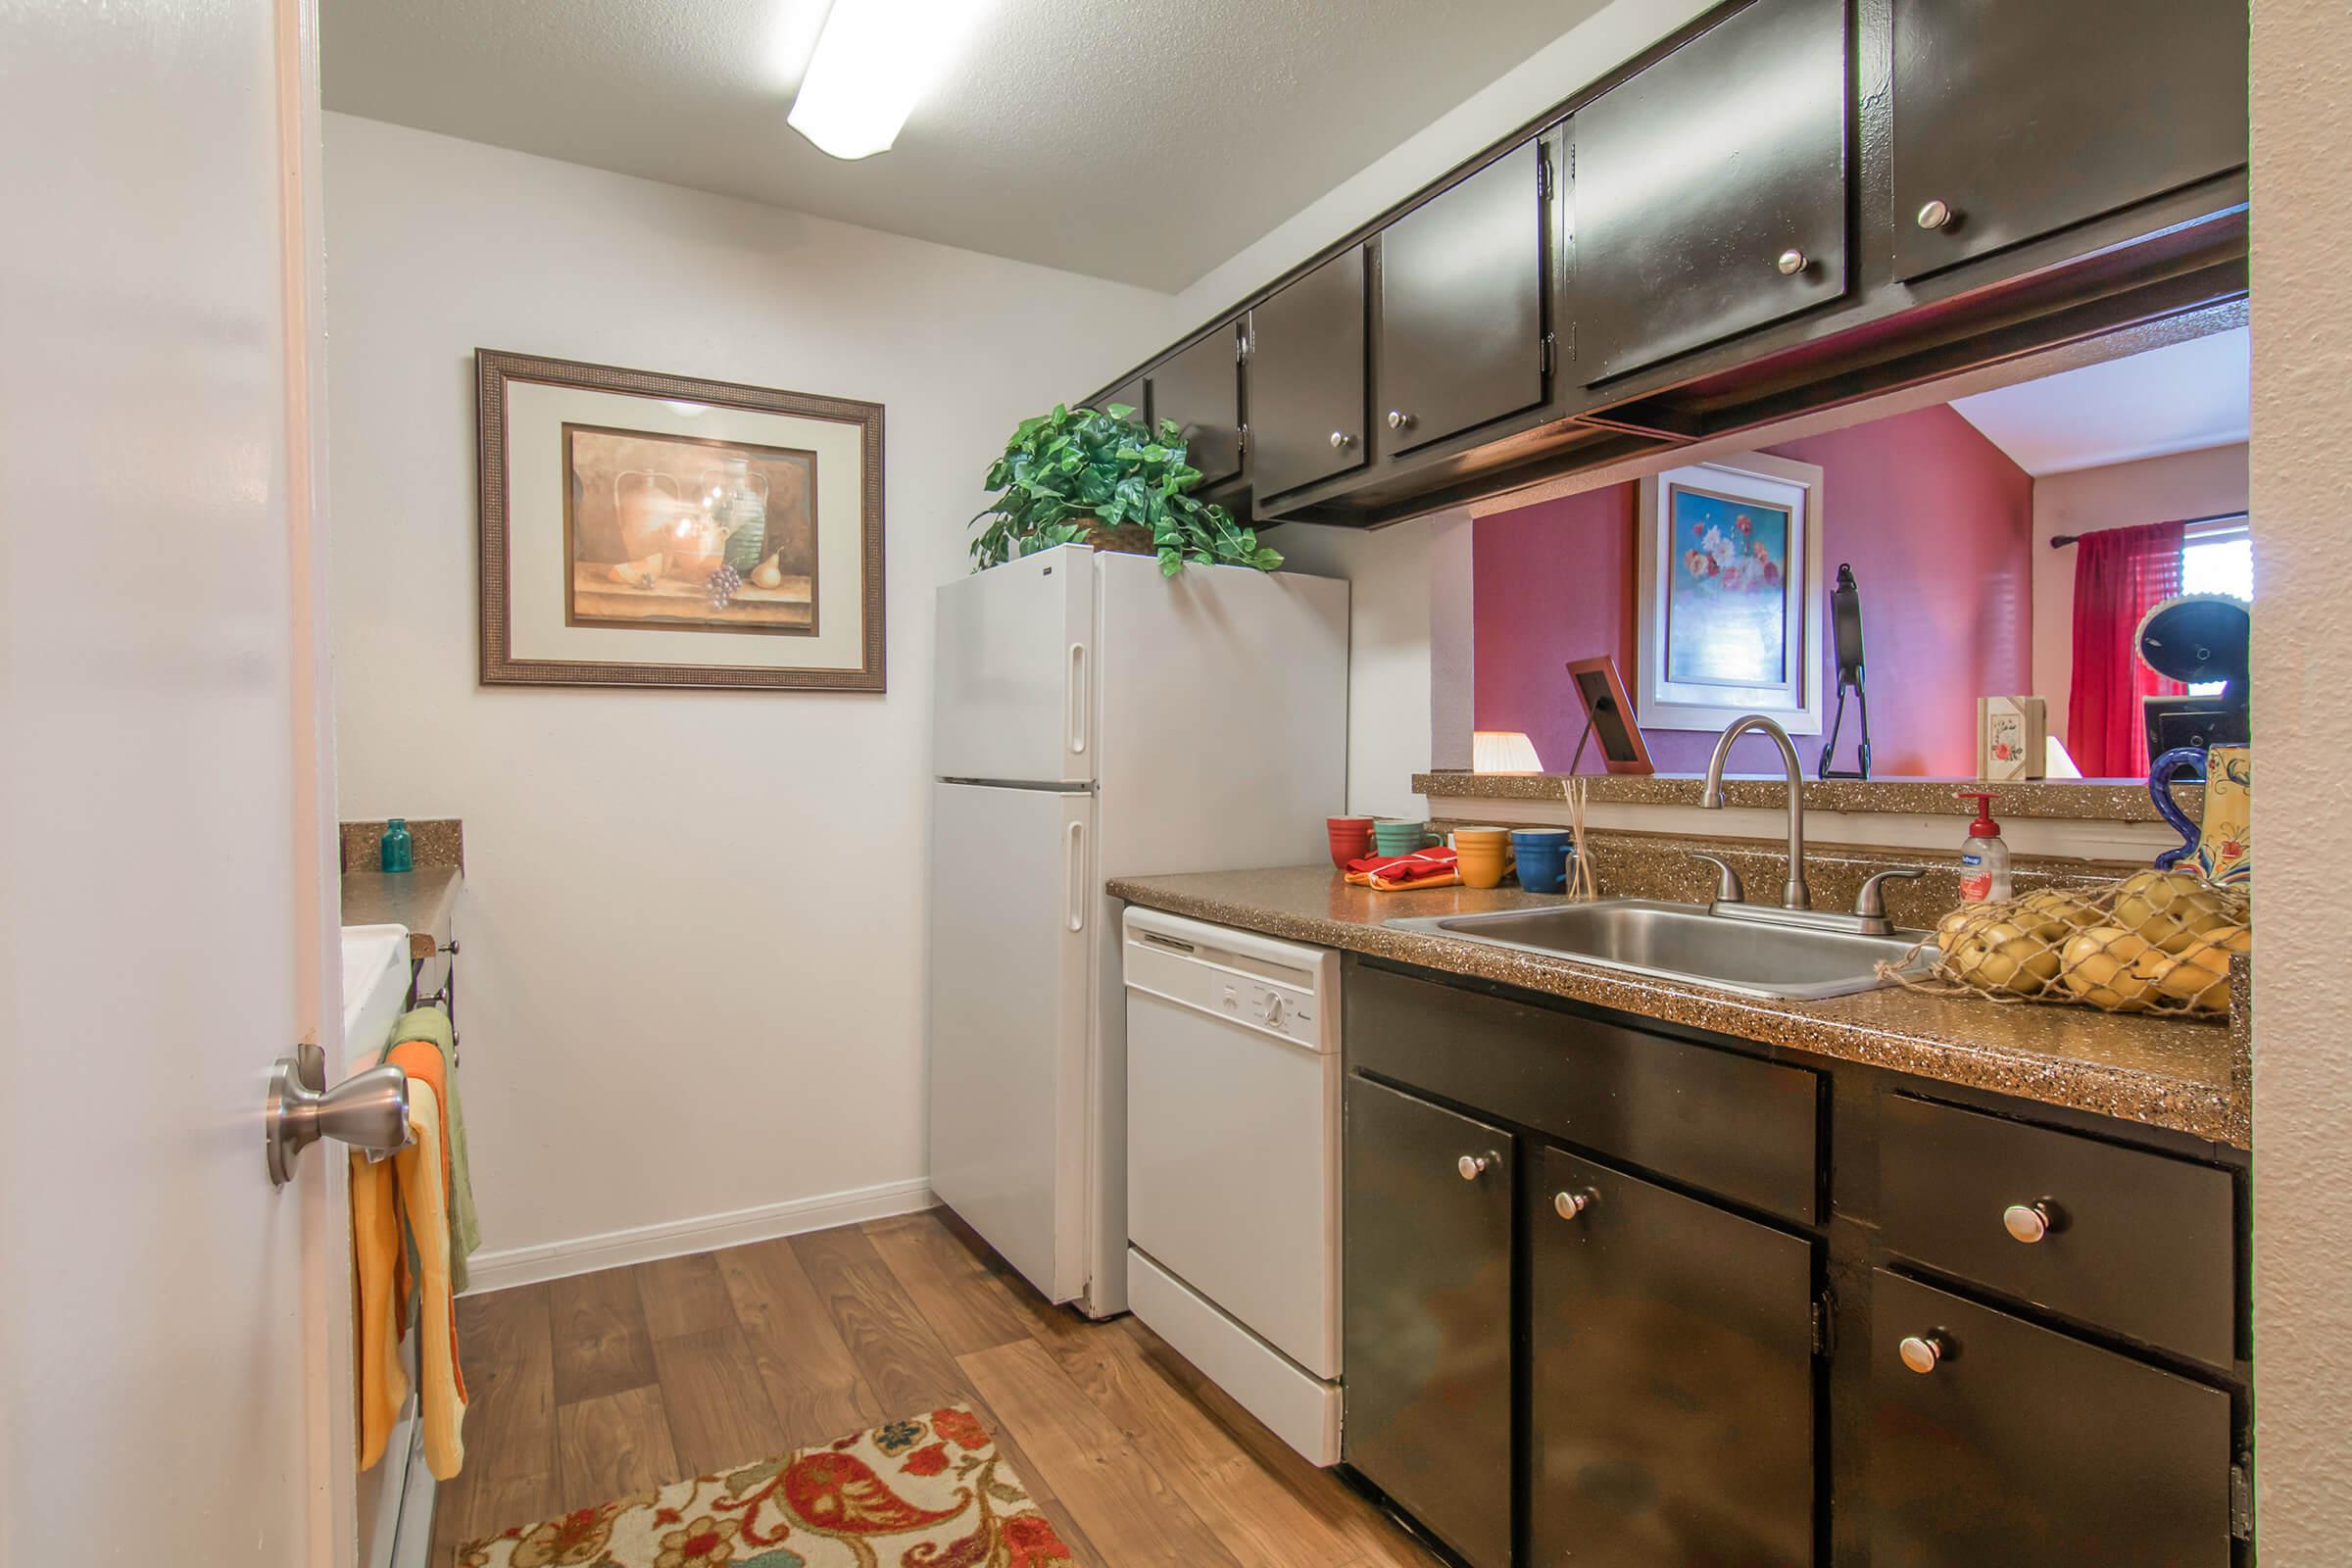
(1984, 857)
(397, 851)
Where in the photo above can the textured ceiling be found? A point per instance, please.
(1139, 142)
(2178, 398)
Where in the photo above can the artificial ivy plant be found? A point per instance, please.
(1065, 473)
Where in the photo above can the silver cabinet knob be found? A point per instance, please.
(1935, 214)
(1341, 440)
(1472, 1166)
(1792, 261)
(1399, 420)
(2028, 1222)
(1921, 1352)
(1569, 1206)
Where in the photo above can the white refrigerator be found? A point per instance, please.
(1095, 719)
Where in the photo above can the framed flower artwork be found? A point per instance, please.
(639, 530)
(1728, 599)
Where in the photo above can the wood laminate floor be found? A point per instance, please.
(587, 1389)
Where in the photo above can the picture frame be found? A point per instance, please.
(2012, 739)
(1727, 607)
(645, 529)
(1609, 717)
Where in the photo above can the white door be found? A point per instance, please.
(1014, 672)
(1013, 917)
(173, 1343)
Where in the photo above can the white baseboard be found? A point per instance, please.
(703, 1233)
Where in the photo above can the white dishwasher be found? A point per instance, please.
(1232, 1164)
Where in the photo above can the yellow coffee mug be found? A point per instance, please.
(1481, 855)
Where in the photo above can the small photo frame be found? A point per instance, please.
(2012, 739)
(1610, 715)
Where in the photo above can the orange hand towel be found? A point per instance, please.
(425, 1207)
(379, 1289)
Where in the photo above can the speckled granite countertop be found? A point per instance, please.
(2188, 1077)
(420, 899)
(2077, 799)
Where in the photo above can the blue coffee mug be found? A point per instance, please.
(1543, 855)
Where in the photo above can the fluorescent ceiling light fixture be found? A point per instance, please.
(873, 60)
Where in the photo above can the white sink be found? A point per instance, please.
(375, 982)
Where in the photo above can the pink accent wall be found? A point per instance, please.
(1938, 523)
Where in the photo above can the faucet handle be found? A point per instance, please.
(1729, 888)
(1870, 902)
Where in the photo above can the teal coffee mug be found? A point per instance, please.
(1393, 836)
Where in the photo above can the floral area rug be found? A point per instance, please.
(930, 1492)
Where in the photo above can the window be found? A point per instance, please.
(2218, 557)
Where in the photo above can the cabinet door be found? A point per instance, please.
(1707, 193)
(2017, 118)
(1201, 389)
(1305, 373)
(1131, 394)
(2031, 1449)
(1462, 292)
(1426, 1353)
(1672, 1380)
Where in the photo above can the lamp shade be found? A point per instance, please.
(1502, 751)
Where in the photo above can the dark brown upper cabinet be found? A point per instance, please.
(2013, 119)
(1461, 297)
(1132, 394)
(1707, 193)
(1201, 389)
(1305, 373)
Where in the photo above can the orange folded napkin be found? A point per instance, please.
(1388, 874)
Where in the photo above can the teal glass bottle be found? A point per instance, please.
(399, 852)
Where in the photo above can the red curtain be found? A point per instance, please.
(2119, 574)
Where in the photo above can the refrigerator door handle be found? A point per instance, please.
(1074, 857)
(1076, 697)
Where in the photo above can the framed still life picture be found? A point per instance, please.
(657, 530)
(1728, 612)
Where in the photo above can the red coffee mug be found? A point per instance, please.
(1351, 839)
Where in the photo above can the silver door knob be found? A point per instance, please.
(1341, 440)
(1792, 261)
(1472, 1166)
(1568, 1206)
(2027, 1222)
(1935, 214)
(1399, 420)
(368, 1111)
(1921, 1352)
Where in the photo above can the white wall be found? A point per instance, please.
(2302, 102)
(2185, 484)
(1389, 684)
(693, 967)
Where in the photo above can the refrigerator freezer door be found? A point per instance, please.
(1014, 669)
(1014, 912)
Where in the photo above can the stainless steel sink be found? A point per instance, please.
(1753, 957)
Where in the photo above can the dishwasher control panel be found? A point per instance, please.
(1280, 988)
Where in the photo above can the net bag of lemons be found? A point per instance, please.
(2155, 942)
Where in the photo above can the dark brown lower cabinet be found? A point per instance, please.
(2029, 1449)
(1673, 1388)
(1428, 1332)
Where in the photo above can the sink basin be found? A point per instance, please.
(1685, 942)
(375, 981)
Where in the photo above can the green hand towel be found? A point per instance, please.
(431, 1025)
